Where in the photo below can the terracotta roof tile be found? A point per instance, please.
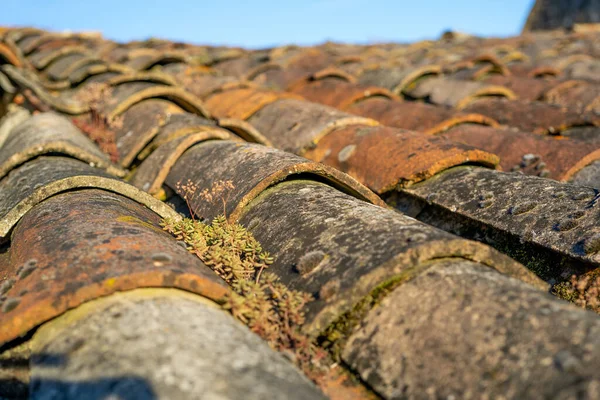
(576, 94)
(199, 358)
(456, 93)
(416, 115)
(534, 117)
(62, 270)
(365, 152)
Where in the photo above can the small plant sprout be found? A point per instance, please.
(188, 191)
(219, 190)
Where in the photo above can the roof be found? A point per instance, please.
(423, 207)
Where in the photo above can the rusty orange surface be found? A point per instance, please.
(536, 117)
(576, 93)
(561, 157)
(242, 103)
(340, 94)
(384, 158)
(9, 55)
(416, 116)
(82, 245)
(529, 89)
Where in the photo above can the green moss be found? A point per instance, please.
(334, 337)
(564, 290)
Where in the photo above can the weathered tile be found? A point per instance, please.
(337, 93)
(50, 133)
(79, 246)
(462, 330)
(202, 350)
(37, 180)
(297, 125)
(416, 116)
(385, 159)
(536, 117)
(251, 169)
(555, 157)
(342, 250)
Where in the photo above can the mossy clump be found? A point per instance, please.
(334, 337)
(584, 291)
(229, 249)
(259, 300)
(276, 313)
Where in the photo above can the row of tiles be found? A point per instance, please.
(282, 215)
(332, 88)
(574, 57)
(347, 149)
(365, 150)
(307, 129)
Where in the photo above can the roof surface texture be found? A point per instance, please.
(424, 208)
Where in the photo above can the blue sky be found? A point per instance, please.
(262, 23)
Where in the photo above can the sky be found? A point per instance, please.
(264, 23)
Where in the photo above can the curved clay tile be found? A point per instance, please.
(439, 316)
(340, 94)
(52, 273)
(151, 174)
(535, 71)
(588, 70)
(86, 72)
(244, 130)
(416, 116)
(50, 133)
(239, 67)
(242, 103)
(176, 126)
(527, 89)
(355, 248)
(8, 56)
(21, 36)
(30, 43)
(152, 77)
(534, 117)
(43, 58)
(284, 79)
(130, 352)
(261, 69)
(543, 223)
(204, 86)
(397, 79)
(251, 169)
(554, 157)
(144, 62)
(295, 125)
(26, 81)
(309, 60)
(140, 124)
(333, 73)
(384, 159)
(44, 177)
(64, 67)
(576, 94)
(126, 95)
(456, 93)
